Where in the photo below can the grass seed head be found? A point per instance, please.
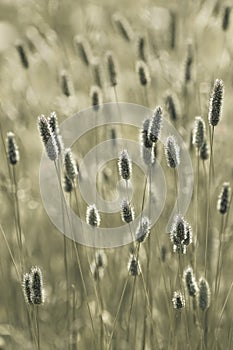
(27, 288)
(47, 138)
(141, 43)
(134, 266)
(172, 152)
(96, 97)
(216, 102)
(143, 73)
(171, 105)
(127, 212)
(70, 165)
(143, 229)
(173, 21)
(123, 27)
(188, 64)
(53, 123)
(203, 294)
(190, 282)
(92, 216)
(178, 300)
(204, 151)
(224, 198)
(199, 132)
(65, 83)
(97, 72)
(155, 124)
(226, 18)
(37, 290)
(12, 149)
(125, 165)
(144, 137)
(83, 48)
(67, 184)
(112, 70)
(22, 55)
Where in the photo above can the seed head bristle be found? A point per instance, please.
(123, 26)
(22, 55)
(143, 73)
(111, 65)
(134, 266)
(92, 216)
(172, 152)
(84, 49)
(127, 212)
(47, 138)
(12, 149)
(70, 165)
(204, 151)
(178, 300)
(143, 229)
(203, 294)
(190, 282)
(224, 198)
(125, 165)
(37, 290)
(216, 102)
(155, 124)
(96, 97)
(26, 284)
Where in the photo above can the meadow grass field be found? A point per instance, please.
(165, 289)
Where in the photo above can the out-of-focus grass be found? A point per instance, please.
(46, 30)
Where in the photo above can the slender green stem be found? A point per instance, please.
(117, 313)
(208, 200)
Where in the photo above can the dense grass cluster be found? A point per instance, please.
(164, 290)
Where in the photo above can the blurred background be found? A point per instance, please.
(51, 54)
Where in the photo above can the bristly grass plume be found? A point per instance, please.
(47, 138)
(12, 149)
(216, 102)
(172, 152)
